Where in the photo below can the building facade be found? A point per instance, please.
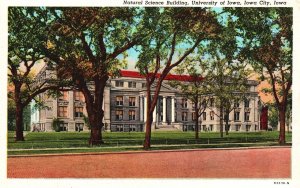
(125, 106)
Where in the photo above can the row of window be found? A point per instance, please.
(211, 128)
(130, 84)
(120, 128)
(212, 116)
(63, 111)
(78, 96)
(120, 101)
(236, 127)
(64, 127)
(120, 115)
(78, 112)
(64, 96)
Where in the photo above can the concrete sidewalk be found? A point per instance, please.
(204, 163)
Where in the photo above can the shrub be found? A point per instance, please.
(56, 124)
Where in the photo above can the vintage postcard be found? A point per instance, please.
(150, 93)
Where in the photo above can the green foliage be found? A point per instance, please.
(86, 121)
(273, 116)
(11, 119)
(131, 141)
(175, 31)
(89, 44)
(267, 44)
(56, 124)
(11, 109)
(27, 118)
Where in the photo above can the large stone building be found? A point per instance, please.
(124, 107)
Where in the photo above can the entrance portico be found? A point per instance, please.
(164, 112)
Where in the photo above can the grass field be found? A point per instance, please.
(68, 142)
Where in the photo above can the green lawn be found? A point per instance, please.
(78, 142)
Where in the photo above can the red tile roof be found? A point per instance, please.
(134, 74)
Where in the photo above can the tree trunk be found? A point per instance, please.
(149, 118)
(96, 127)
(19, 123)
(221, 121)
(94, 108)
(227, 122)
(227, 127)
(282, 126)
(197, 119)
(147, 141)
(197, 128)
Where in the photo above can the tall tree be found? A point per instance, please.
(228, 85)
(267, 38)
(194, 88)
(176, 34)
(88, 44)
(24, 44)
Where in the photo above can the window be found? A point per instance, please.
(119, 128)
(143, 85)
(236, 104)
(131, 115)
(193, 116)
(203, 103)
(184, 103)
(193, 105)
(212, 115)
(211, 127)
(64, 96)
(119, 114)
(132, 128)
(237, 127)
(211, 102)
(78, 111)
(79, 127)
(228, 127)
(62, 111)
(78, 96)
(204, 116)
(63, 126)
(119, 84)
(119, 101)
(184, 116)
(236, 116)
(247, 103)
(204, 128)
(226, 117)
(247, 116)
(131, 101)
(131, 84)
(248, 127)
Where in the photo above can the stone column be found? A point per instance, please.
(103, 108)
(71, 105)
(141, 108)
(154, 115)
(145, 109)
(242, 117)
(106, 108)
(164, 109)
(71, 124)
(173, 109)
